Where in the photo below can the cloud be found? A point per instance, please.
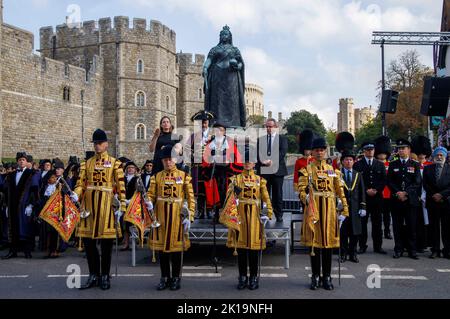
(325, 51)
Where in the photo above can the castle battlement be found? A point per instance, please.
(109, 30)
(187, 64)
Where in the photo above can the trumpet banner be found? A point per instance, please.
(138, 215)
(230, 215)
(52, 214)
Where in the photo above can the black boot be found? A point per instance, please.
(93, 281)
(163, 283)
(327, 284)
(253, 284)
(11, 254)
(175, 284)
(387, 234)
(243, 282)
(315, 282)
(105, 283)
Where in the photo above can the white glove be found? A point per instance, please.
(307, 199)
(341, 218)
(6, 212)
(187, 224)
(29, 210)
(74, 197)
(127, 202)
(339, 206)
(264, 219)
(149, 205)
(237, 202)
(362, 212)
(423, 197)
(118, 214)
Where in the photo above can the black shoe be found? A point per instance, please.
(279, 219)
(397, 255)
(28, 255)
(315, 282)
(10, 255)
(434, 255)
(253, 284)
(380, 251)
(175, 284)
(343, 258)
(354, 259)
(413, 255)
(163, 283)
(243, 282)
(105, 283)
(93, 281)
(327, 284)
(362, 250)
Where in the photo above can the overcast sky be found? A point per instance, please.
(306, 54)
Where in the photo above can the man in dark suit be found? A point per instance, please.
(436, 182)
(405, 183)
(374, 175)
(356, 200)
(22, 194)
(147, 173)
(272, 149)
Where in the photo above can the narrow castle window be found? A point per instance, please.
(139, 99)
(140, 67)
(66, 70)
(66, 94)
(167, 102)
(200, 94)
(140, 132)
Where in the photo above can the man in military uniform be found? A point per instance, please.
(374, 175)
(101, 179)
(250, 240)
(318, 186)
(169, 190)
(404, 181)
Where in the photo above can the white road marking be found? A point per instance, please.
(404, 277)
(334, 268)
(393, 269)
(201, 267)
(337, 276)
(443, 270)
(201, 275)
(272, 267)
(13, 276)
(274, 275)
(113, 275)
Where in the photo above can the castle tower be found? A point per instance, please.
(140, 75)
(190, 94)
(346, 116)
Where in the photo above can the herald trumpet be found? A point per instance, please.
(81, 208)
(141, 189)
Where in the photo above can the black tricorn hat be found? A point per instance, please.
(421, 145)
(167, 152)
(306, 138)
(21, 155)
(383, 145)
(89, 154)
(402, 142)
(148, 162)
(58, 164)
(124, 160)
(344, 141)
(347, 153)
(99, 136)
(46, 160)
(319, 143)
(129, 163)
(203, 116)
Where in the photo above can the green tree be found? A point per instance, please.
(331, 136)
(255, 120)
(297, 122)
(369, 131)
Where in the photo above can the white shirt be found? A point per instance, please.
(205, 136)
(147, 180)
(44, 173)
(404, 160)
(19, 175)
(369, 160)
(129, 177)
